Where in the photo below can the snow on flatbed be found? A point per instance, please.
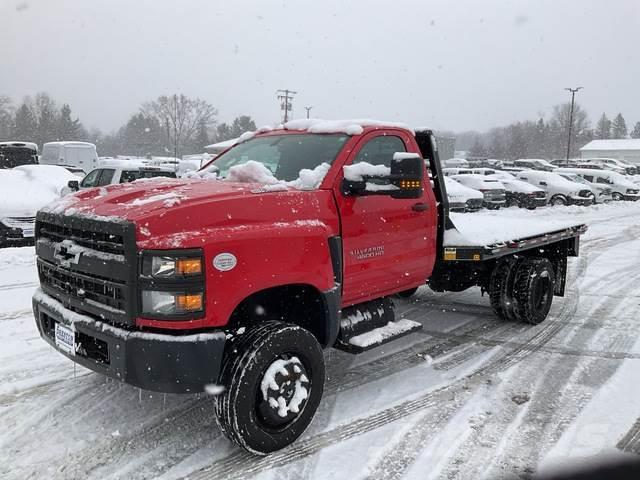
(488, 227)
(467, 397)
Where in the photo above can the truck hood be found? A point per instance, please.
(171, 213)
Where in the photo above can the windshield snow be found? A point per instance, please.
(277, 159)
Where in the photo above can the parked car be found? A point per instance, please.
(517, 192)
(14, 154)
(456, 163)
(601, 193)
(492, 190)
(534, 164)
(560, 191)
(461, 198)
(614, 165)
(72, 154)
(23, 191)
(120, 171)
(451, 171)
(621, 187)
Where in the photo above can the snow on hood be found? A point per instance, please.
(26, 189)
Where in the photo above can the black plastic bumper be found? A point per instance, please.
(582, 202)
(158, 362)
(12, 237)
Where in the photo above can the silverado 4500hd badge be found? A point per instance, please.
(369, 252)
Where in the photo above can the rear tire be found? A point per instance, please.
(273, 377)
(533, 290)
(617, 196)
(501, 288)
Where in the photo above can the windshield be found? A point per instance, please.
(283, 155)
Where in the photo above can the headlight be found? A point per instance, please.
(171, 303)
(171, 267)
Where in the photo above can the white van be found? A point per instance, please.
(72, 154)
(621, 187)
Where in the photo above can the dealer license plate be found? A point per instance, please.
(65, 339)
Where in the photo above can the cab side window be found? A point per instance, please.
(105, 177)
(380, 150)
(91, 179)
(588, 178)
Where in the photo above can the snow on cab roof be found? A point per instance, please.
(69, 142)
(349, 126)
(616, 144)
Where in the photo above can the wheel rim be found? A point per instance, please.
(283, 391)
(617, 196)
(557, 201)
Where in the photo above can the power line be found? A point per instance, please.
(573, 96)
(286, 99)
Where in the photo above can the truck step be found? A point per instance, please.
(379, 336)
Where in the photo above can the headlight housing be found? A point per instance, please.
(172, 284)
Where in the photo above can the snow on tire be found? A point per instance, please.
(533, 290)
(273, 377)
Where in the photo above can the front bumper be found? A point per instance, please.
(631, 197)
(158, 362)
(13, 237)
(580, 201)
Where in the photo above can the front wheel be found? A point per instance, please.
(617, 196)
(273, 378)
(558, 200)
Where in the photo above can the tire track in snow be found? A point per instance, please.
(15, 286)
(631, 441)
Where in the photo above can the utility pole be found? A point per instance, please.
(286, 98)
(573, 96)
(175, 126)
(308, 109)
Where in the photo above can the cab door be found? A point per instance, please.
(388, 243)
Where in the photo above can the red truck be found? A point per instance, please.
(290, 242)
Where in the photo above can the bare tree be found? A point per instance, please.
(180, 117)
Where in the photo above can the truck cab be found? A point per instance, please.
(292, 241)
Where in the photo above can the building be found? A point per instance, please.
(626, 149)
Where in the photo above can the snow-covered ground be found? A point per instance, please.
(469, 397)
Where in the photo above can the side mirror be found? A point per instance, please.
(403, 180)
(74, 185)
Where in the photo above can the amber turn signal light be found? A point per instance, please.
(189, 303)
(189, 266)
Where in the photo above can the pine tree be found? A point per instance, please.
(68, 129)
(25, 126)
(603, 128)
(202, 137)
(242, 124)
(223, 132)
(636, 131)
(6, 118)
(619, 127)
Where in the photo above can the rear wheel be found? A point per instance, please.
(558, 200)
(500, 288)
(617, 196)
(533, 290)
(273, 378)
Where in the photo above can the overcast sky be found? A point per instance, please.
(448, 64)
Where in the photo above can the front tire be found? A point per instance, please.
(274, 378)
(558, 200)
(617, 196)
(533, 290)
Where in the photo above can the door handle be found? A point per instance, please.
(420, 207)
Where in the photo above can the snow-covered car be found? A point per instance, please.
(455, 163)
(492, 190)
(461, 198)
(601, 193)
(518, 193)
(535, 164)
(451, 171)
(621, 187)
(120, 171)
(23, 191)
(13, 154)
(560, 191)
(613, 164)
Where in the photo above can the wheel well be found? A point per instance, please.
(302, 305)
